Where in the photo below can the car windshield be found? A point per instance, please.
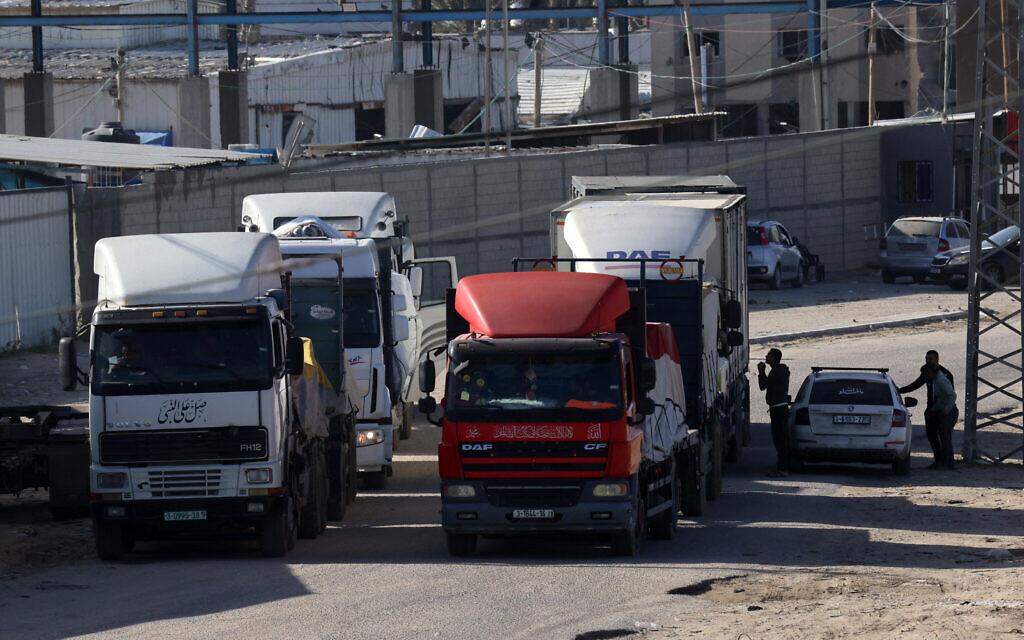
(536, 386)
(753, 236)
(179, 358)
(850, 392)
(1003, 238)
(362, 320)
(915, 228)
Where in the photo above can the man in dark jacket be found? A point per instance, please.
(933, 424)
(775, 384)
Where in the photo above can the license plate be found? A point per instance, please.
(533, 514)
(851, 419)
(179, 516)
(935, 271)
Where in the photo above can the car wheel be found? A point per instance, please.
(798, 281)
(888, 277)
(776, 281)
(919, 279)
(901, 466)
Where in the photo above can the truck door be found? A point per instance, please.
(430, 279)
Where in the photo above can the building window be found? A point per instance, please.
(741, 120)
(369, 120)
(784, 117)
(884, 110)
(701, 38)
(887, 39)
(914, 181)
(793, 44)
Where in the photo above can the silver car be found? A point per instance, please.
(911, 243)
(773, 255)
(850, 415)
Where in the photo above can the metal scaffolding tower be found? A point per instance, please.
(995, 205)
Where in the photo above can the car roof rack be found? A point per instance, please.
(878, 369)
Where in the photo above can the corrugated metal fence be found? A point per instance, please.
(36, 293)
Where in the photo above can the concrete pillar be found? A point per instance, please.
(411, 99)
(38, 89)
(809, 97)
(234, 107)
(192, 126)
(3, 108)
(612, 94)
(671, 91)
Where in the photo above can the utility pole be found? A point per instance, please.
(487, 76)
(506, 71)
(538, 65)
(945, 62)
(1006, 53)
(119, 65)
(826, 100)
(705, 57)
(872, 48)
(691, 51)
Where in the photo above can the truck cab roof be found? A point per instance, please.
(362, 214)
(186, 268)
(359, 257)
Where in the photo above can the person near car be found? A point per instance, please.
(943, 411)
(775, 384)
(931, 421)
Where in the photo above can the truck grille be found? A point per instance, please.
(190, 483)
(229, 444)
(483, 459)
(534, 494)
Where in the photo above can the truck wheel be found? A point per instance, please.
(376, 479)
(665, 524)
(745, 423)
(405, 428)
(460, 544)
(734, 447)
(630, 543)
(113, 541)
(353, 469)
(278, 532)
(713, 485)
(309, 514)
(695, 496)
(337, 499)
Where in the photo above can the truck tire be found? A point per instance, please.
(734, 447)
(692, 481)
(312, 515)
(337, 498)
(664, 525)
(460, 544)
(405, 425)
(630, 543)
(713, 485)
(353, 468)
(745, 423)
(278, 532)
(113, 541)
(376, 479)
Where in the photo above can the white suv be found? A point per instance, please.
(850, 415)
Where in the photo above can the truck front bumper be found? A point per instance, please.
(163, 516)
(485, 515)
(375, 457)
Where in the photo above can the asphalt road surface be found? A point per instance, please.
(384, 571)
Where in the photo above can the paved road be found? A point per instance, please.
(384, 572)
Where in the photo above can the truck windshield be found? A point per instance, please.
(362, 320)
(584, 386)
(180, 358)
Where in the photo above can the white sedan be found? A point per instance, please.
(850, 415)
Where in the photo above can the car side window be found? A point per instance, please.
(965, 231)
(952, 232)
(786, 238)
(774, 236)
(801, 395)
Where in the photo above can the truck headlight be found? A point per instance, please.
(459, 491)
(611, 490)
(258, 476)
(111, 480)
(371, 436)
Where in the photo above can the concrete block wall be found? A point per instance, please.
(825, 187)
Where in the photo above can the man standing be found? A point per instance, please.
(931, 423)
(776, 387)
(943, 413)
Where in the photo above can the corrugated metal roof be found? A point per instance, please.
(64, 4)
(78, 153)
(562, 92)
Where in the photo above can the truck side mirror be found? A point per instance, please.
(427, 405)
(734, 339)
(427, 376)
(416, 280)
(734, 315)
(294, 358)
(400, 327)
(399, 303)
(68, 356)
(647, 375)
(645, 406)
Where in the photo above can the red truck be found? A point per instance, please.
(563, 411)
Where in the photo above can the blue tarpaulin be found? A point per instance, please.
(156, 138)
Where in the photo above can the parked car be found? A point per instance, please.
(850, 415)
(773, 255)
(910, 244)
(1001, 267)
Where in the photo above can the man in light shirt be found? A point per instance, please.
(942, 409)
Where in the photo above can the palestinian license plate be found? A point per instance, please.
(533, 514)
(181, 516)
(851, 419)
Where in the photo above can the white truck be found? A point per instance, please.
(690, 233)
(206, 413)
(360, 215)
